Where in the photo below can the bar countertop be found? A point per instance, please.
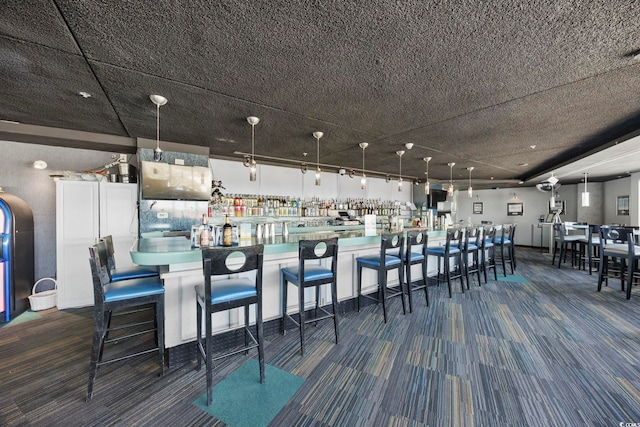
(178, 250)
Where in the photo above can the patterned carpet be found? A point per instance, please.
(545, 351)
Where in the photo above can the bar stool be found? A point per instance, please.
(124, 273)
(590, 248)
(227, 291)
(450, 251)
(110, 296)
(487, 253)
(505, 242)
(564, 241)
(618, 243)
(389, 258)
(416, 239)
(316, 275)
(471, 252)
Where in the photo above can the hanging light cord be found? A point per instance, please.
(157, 126)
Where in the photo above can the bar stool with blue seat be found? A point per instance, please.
(232, 279)
(310, 273)
(416, 254)
(125, 273)
(487, 252)
(389, 258)
(471, 252)
(112, 296)
(504, 243)
(619, 255)
(447, 253)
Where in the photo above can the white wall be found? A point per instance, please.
(615, 189)
(283, 181)
(536, 203)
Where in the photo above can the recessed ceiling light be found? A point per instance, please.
(40, 164)
(520, 182)
(491, 177)
(533, 147)
(84, 94)
(523, 164)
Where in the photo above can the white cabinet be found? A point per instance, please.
(86, 211)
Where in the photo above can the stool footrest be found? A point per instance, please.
(128, 356)
(242, 349)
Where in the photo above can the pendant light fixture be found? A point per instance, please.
(426, 183)
(450, 189)
(317, 135)
(253, 121)
(363, 180)
(159, 100)
(400, 153)
(585, 194)
(470, 190)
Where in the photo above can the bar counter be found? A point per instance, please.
(181, 271)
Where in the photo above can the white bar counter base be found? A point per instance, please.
(181, 271)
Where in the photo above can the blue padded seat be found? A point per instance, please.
(137, 271)
(232, 279)
(311, 273)
(109, 296)
(228, 290)
(416, 240)
(133, 288)
(389, 258)
(375, 261)
(450, 251)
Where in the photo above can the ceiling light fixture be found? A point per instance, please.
(317, 135)
(253, 121)
(409, 145)
(470, 189)
(585, 193)
(426, 183)
(400, 153)
(363, 180)
(450, 189)
(159, 100)
(85, 95)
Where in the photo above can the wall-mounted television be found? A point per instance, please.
(163, 181)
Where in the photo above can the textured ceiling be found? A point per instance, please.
(471, 82)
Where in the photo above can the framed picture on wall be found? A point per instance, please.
(515, 209)
(623, 205)
(477, 208)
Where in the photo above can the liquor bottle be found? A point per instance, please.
(205, 233)
(227, 232)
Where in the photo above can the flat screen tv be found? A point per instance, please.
(163, 181)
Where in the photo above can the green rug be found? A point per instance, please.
(512, 278)
(24, 317)
(240, 399)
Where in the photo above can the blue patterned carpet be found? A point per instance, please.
(542, 351)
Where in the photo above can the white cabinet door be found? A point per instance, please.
(86, 211)
(118, 218)
(76, 229)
